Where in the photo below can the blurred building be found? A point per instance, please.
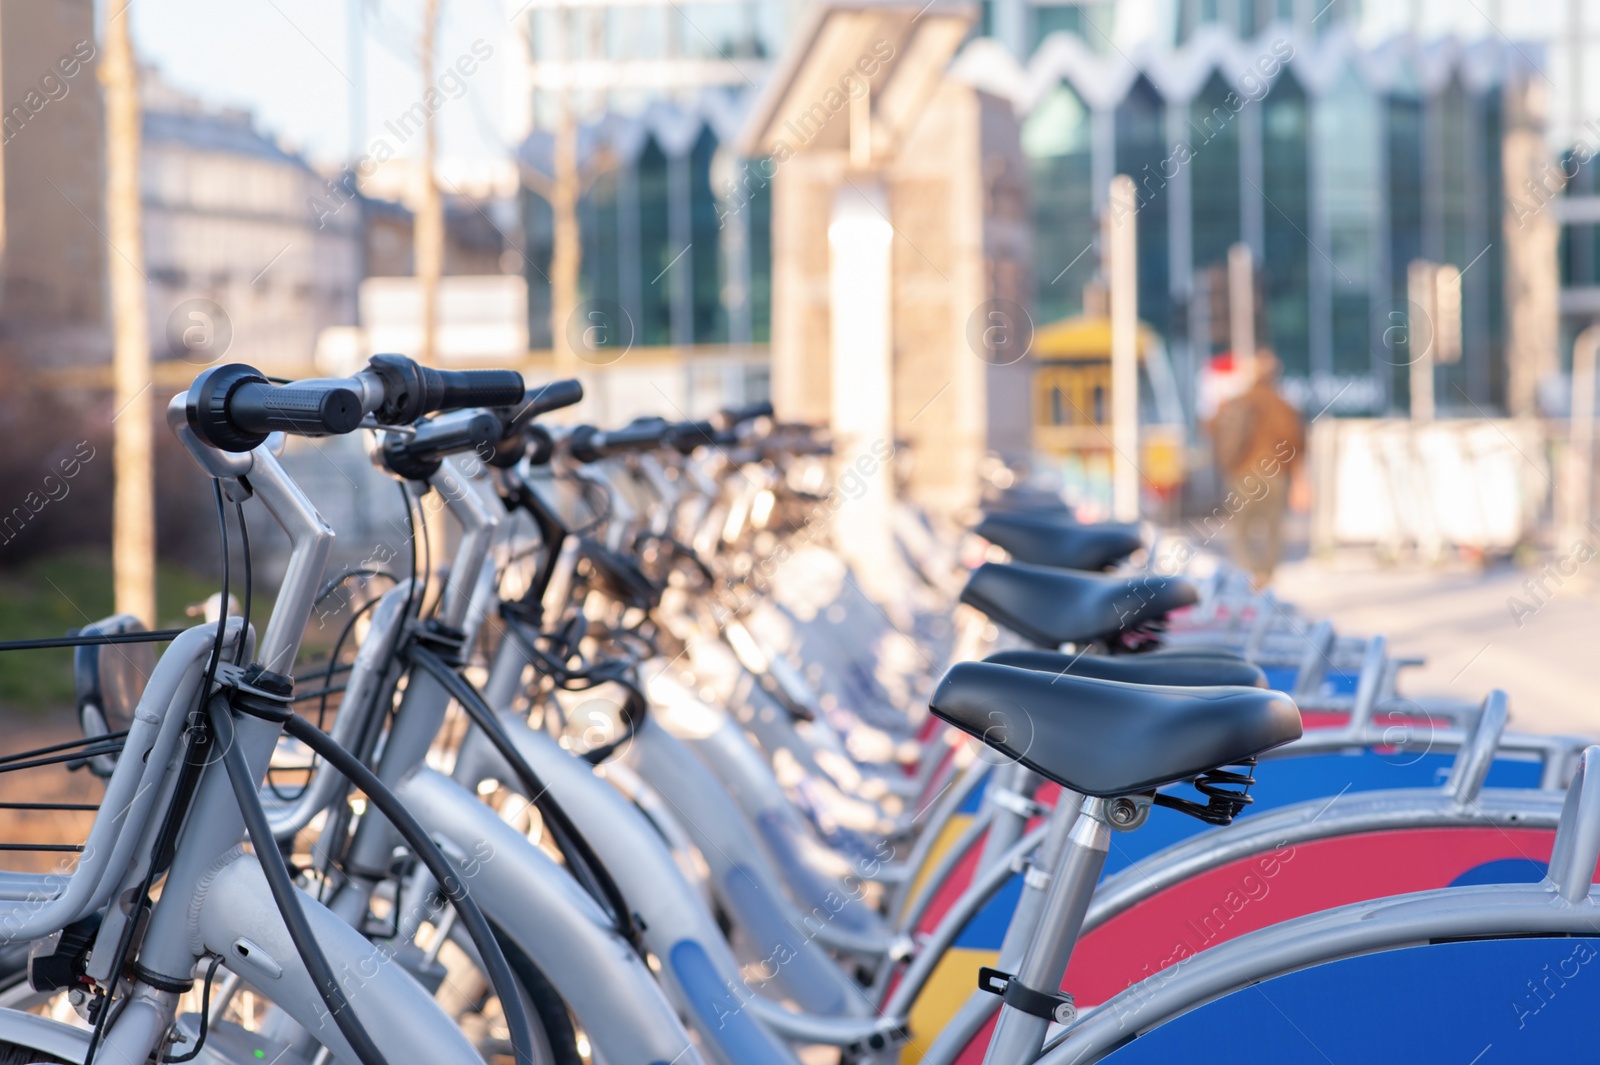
(250, 252)
(53, 301)
(1335, 164)
(658, 88)
(659, 238)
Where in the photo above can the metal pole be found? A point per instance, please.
(1123, 250)
(428, 226)
(1420, 293)
(1580, 442)
(133, 542)
(1242, 308)
(356, 50)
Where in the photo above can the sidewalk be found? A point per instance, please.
(1478, 629)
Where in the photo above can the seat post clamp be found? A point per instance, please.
(1017, 803)
(1055, 1006)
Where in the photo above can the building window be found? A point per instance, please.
(1285, 221)
(1214, 175)
(1142, 154)
(759, 209)
(655, 246)
(1055, 138)
(1403, 129)
(1347, 155)
(704, 259)
(597, 226)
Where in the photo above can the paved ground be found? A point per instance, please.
(1478, 629)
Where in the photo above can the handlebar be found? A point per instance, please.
(588, 444)
(411, 390)
(552, 395)
(686, 436)
(733, 416)
(234, 407)
(417, 457)
(518, 437)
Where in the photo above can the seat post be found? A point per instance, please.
(1011, 806)
(1019, 1036)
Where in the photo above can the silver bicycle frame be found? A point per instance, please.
(522, 891)
(214, 899)
(1562, 904)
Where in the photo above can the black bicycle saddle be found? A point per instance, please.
(1047, 539)
(1051, 607)
(1105, 738)
(1173, 670)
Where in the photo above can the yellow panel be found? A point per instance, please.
(954, 980)
(948, 835)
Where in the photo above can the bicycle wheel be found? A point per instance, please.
(16, 1054)
(465, 994)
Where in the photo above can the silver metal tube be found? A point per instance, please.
(478, 524)
(943, 807)
(1577, 845)
(311, 540)
(1476, 755)
(1009, 801)
(982, 889)
(56, 900)
(138, 1028)
(1019, 1036)
(168, 948)
(1036, 882)
(235, 917)
(550, 917)
(365, 680)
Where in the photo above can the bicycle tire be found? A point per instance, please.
(561, 1035)
(17, 1054)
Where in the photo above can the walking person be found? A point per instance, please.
(1257, 440)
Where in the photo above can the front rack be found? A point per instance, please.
(97, 749)
(74, 754)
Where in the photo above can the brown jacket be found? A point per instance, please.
(1257, 432)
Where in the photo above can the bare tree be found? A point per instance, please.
(563, 189)
(133, 545)
(428, 229)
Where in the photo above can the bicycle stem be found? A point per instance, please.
(206, 840)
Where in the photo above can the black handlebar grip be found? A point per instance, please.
(588, 444)
(552, 395)
(417, 457)
(410, 390)
(233, 407)
(748, 413)
(514, 420)
(684, 437)
(456, 389)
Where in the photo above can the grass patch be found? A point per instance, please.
(67, 591)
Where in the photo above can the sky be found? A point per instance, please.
(289, 62)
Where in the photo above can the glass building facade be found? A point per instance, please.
(1240, 121)
(1334, 164)
(662, 237)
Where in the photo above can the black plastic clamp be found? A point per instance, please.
(261, 693)
(1057, 1006)
(446, 641)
